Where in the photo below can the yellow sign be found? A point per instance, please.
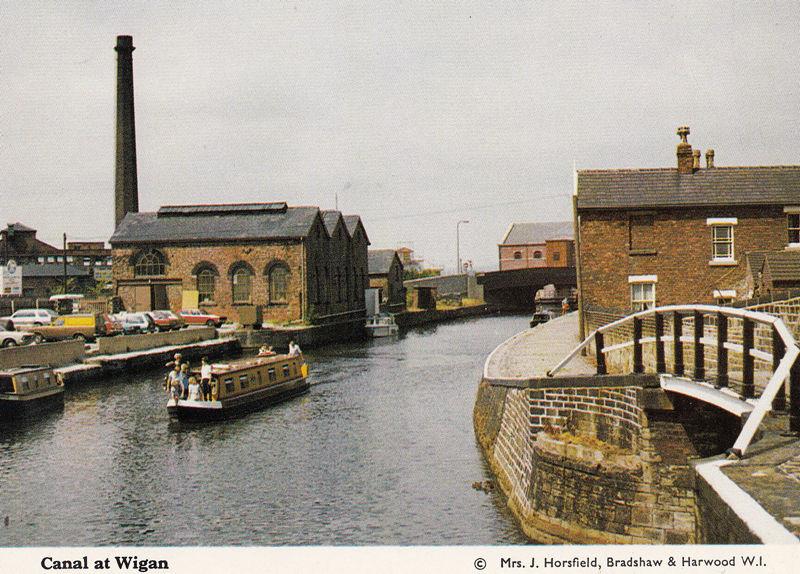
(190, 300)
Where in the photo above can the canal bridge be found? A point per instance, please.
(634, 434)
(516, 288)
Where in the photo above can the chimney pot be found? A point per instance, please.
(685, 159)
(695, 160)
(710, 159)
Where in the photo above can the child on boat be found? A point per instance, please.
(205, 379)
(194, 390)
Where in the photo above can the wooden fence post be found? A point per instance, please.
(601, 358)
(748, 381)
(722, 350)
(638, 366)
(699, 348)
(677, 345)
(778, 351)
(661, 363)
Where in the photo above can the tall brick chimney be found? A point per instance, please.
(126, 191)
(685, 158)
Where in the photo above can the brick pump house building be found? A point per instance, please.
(269, 255)
(677, 235)
(530, 245)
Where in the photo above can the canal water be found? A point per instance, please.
(380, 451)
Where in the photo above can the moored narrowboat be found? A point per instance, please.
(244, 386)
(29, 389)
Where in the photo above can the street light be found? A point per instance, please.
(458, 247)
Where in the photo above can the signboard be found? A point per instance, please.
(11, 278)
(190, 299)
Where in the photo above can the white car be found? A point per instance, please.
(30, 317)
(14, 338)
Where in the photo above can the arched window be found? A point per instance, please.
(518, 255)
(206, 282)
(278, 283)
(537, 254)
(242, 283)
(150, 264)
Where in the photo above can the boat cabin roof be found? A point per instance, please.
(14, 371)
(227, 368)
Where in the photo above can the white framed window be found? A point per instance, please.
(722, 242)
(793, 227)
(643, 291)
(643, 296)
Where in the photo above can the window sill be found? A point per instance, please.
(207, 304)
(723, 263)
(242, 303)
(278, 304)
(793, 246)
(634, 252)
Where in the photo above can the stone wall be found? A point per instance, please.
(54, 354)
(128, 343)
(586, 462)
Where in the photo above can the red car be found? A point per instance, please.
(198, 317)
(166, 320)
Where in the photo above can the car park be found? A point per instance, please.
(198, 317)
(14, 338)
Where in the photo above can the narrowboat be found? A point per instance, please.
(29, 389)
(244, 386)
(382, 325)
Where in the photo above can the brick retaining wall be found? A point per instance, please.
(129, 343)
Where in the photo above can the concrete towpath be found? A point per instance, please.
(533, 352)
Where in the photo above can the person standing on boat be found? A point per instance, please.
(176, 389)
(294, 349)
(171, 377)
(183, 377)
(194, 390)
(205, 378)
(176, 362)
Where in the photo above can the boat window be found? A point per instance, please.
(243, 381)
(24, 381)
(6, 385)
(272, 376)
(260, 380)
(286, 370)
(229, 388)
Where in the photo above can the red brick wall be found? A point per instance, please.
(560, 253)
(182, 260)
(527, 260)
(681, 250)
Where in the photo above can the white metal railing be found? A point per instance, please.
(782, 355)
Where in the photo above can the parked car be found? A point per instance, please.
(111, 326)
(167, 320)
(84, 326)
(13, 338)
(27, 317)
(541, 317)
(198, 317)
(137, 323)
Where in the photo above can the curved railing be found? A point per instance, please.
(746, 353)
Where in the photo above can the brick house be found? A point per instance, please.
(386, 274)
(677, 235)
(19, 242)
(531, 245)
(269, 255)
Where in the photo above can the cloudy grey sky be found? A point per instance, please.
(418, 114)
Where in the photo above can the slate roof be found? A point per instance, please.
(756, 260)
(222, 223)
(352, 222)
(380, 261)
(637, 188)
(534, 233)
(783, 265)
(330, 217)
(54, 270)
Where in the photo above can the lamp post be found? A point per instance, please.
(458, 247)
